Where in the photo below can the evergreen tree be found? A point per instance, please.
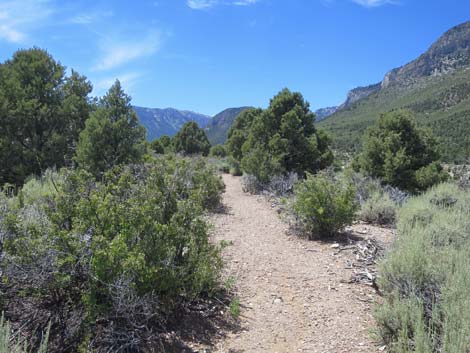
(191, 139)
(396, 150)
(280, 139)
(166, 143)
(157, 146)
(41, 114)
(112, 135)
(238, 132)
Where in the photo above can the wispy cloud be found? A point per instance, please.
(244, 2)
(18, 17)
(128, 80)
(206, 4)
(374, 3)
(88, 18)
(116, 53)
(201, 4)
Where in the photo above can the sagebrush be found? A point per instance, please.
(426, 276)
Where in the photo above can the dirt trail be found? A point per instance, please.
(294, 293)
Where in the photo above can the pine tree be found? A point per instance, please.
(191, 139)
(400, 153)
(41, 114)
(112, 135)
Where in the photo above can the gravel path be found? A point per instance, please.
(294, 293)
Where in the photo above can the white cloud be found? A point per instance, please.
(244, 2)
(116, 53)
(374, 3)
(87, 18)
(128, 80)
(19, 17)
(201, 4)
(206, 4)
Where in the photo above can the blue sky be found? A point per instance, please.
(207, 55)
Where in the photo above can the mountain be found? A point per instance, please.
(359, 93)
(167, 121)
(323, 113)
(217, 128)
(435, 86)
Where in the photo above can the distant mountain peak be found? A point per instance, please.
(449, 53)
(323, 113)
(217, 128)
(435, 87)
(167, 121)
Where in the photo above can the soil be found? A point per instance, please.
(296, 295)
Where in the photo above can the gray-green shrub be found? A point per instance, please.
(218, 151)
(426, 276)
(378, 209)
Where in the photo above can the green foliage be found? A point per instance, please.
(280, 139)
(430, 175)
(218, 151)
(425, 276)
(238, 132)
(401, 154)
(191, 139)
(112, 135)
(324, 205)
(166, 143)
(224, 167)
(10, 344)
(42, 112)
(235, 168)
(378, 209)
(235, 308)
(157, 147)
(134, 245)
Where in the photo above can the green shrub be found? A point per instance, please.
(157, 147)
(235, 168)
(426, 275)
(400, 153)
(134, 246)
(324, 205)
(224, 168)
(38, 189)
(166, 142)
(192, 178)
(430, 175)
(218, 151)
(235, 308)
(378, 209)
(261, 164)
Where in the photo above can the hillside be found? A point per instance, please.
(217, 128)
(436, 86)
(167, 121)
(323, 113)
